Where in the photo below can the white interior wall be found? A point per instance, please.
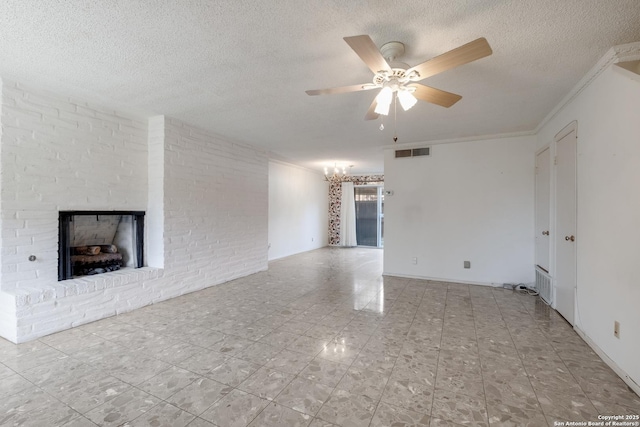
(608, 210)
(467, 201)
(298, 210)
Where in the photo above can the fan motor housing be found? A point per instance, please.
(392, 50)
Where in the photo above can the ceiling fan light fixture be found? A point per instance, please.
(385, 96)
(394, 78)
(383, 101)
(382, 109)
(407, 100)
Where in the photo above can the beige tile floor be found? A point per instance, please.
(321, 339)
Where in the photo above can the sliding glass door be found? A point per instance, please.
(369, 215)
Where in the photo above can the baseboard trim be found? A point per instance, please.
(297, 253)
(606, 359)
(438, 279)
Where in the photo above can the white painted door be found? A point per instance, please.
(565, 235)
(543, 199)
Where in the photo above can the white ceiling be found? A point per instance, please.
(239, 68)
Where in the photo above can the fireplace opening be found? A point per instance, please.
(96, 242)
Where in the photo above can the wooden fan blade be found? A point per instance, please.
(459, 56)
(435, 96)
(371, 114)
(343, 89)
(368, 52)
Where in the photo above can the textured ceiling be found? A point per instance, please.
(239, 68)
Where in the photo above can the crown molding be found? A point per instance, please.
(278, 159)
(619, 53)
(455, 140)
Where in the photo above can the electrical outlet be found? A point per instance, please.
(467, 264)
(616, 329)
(414, 260)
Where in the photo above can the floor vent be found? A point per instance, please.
(413, 152)
(543, 284)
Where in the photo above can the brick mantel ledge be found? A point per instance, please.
(26, 296)
(31, 313)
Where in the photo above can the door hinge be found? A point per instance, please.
(555, 160)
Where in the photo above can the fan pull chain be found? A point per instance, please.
(395, 119)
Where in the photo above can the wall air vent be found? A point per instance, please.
(415, 152)
(403, 153)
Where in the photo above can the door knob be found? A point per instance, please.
(572, 238)
(545, 233)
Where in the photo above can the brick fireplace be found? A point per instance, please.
(204, 201)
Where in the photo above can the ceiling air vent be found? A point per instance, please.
(415, 152)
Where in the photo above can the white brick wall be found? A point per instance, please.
(216, 204)
(59, 154)
(206, 202)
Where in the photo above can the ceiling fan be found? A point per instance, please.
(399, 80)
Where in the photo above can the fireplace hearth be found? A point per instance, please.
(96, 242)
